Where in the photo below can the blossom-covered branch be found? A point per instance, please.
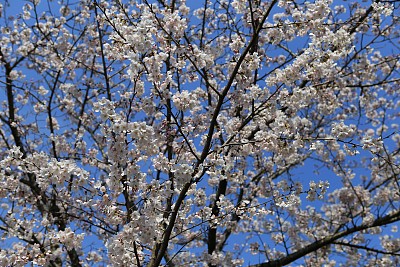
(199, 133)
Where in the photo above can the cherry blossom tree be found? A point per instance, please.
(199, 133)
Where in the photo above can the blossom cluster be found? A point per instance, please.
(143, 133)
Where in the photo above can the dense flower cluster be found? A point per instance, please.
(199, 133)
